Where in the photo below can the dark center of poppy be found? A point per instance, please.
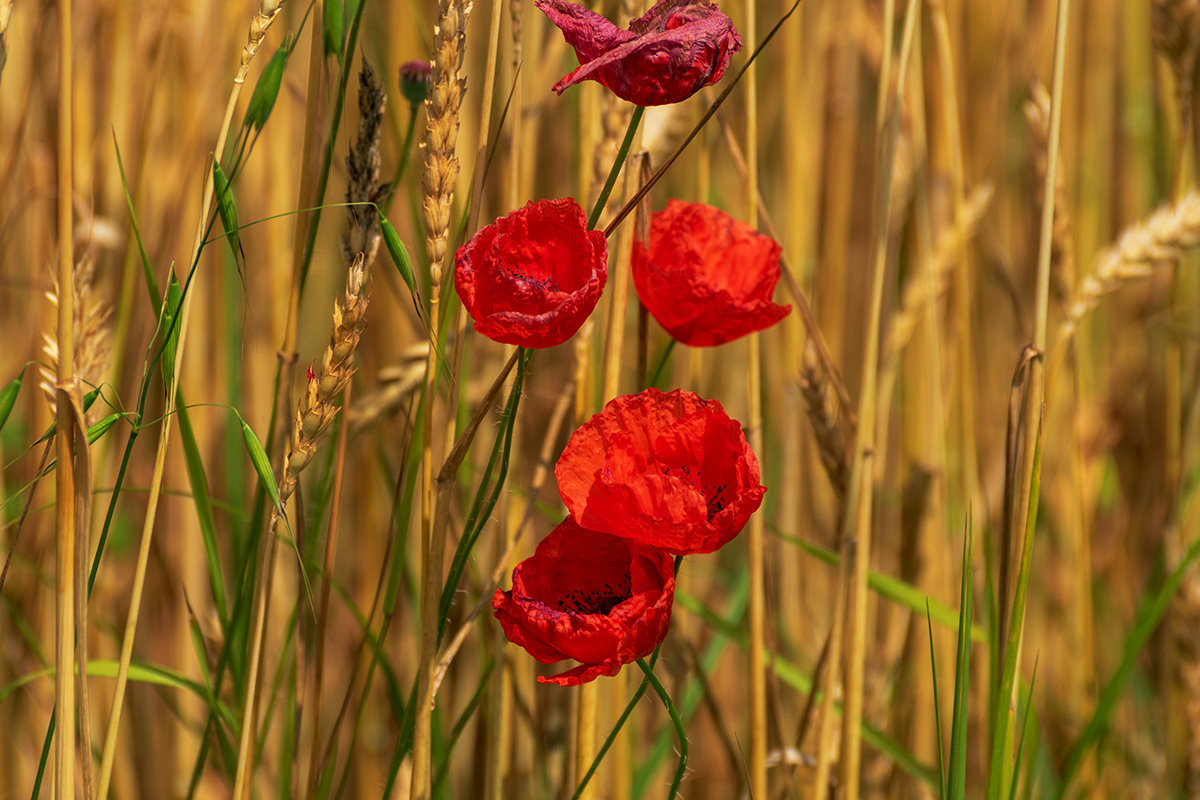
(714, 496)
(545, 284)
(600, 600)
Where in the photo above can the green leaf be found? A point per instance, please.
(147, 272)
(267, 89)
(227, 210)
(8, 396)
(333, 27)
(399, 254)
(170, 327)
(202, 500)
(262, 464)
(100, 428)
(88, 400)
(892, 588)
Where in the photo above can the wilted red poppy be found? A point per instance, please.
(531, 278)
(669, 470)
(706, 277)
(601, 600)
(666, 56)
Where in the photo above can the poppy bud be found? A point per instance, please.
(414, 81)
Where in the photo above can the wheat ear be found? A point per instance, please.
(1155, 242)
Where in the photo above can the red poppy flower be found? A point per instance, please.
(531, 278)
(666, 55)
(669, 470)
(601, 600)
(706, 277)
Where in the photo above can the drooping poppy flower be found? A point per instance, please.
(532, 277)
(706, 277)
(668, 470)
(666, 56)
(601, 600)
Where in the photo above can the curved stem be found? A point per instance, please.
(620, 723)
(602, 200)
(653, 680)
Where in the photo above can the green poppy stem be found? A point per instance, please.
(406, 148)
(602, 200)
(620, 723)
(653, 680)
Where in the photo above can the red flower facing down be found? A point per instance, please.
(668, 470)
(531, 278)
(706, 277)
(599, 599)
(666, 56)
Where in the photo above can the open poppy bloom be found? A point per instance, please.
(531, 278)
(599, 599)
(705, 276)
(668, 470)
(666, 56)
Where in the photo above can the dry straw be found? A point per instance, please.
(1062, 254)
(441, 172)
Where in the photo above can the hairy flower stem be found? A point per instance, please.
(620, 723)
(653, 680)
(602, 200)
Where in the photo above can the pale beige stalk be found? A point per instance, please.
(65, 539)
(856, 530)
(259, 25)
(756, 531)
(1026, 483)
(964, 389)
(441, 172)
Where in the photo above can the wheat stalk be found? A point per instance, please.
(441, 171)
(1062, 254)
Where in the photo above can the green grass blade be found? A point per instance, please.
(893, 589)
(937, 711)
(227, 211)
(8, 396)
(262, 464)
(962, 674)
(202, 501)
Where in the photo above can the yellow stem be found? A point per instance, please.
(856, 525)
(64, 653)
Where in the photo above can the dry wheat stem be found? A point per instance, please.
(1062, 255)
(756, 535)
(856, 531)
(441, 171)
(258, 29)
(66, 550)
(1026, 486)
